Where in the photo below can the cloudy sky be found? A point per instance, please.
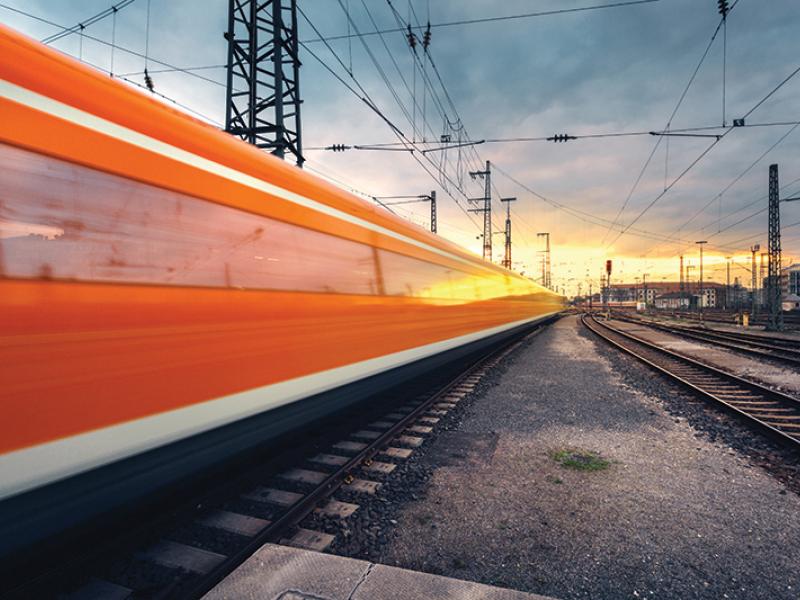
(611, 70)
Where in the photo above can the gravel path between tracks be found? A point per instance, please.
(785, 379)
(675, 515)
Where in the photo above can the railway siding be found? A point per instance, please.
(782, 378)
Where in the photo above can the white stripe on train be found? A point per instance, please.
(36, 466)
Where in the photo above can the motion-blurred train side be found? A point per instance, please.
(170, 296)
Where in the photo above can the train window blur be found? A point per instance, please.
(63, 221)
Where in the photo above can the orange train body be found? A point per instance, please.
(159, 278)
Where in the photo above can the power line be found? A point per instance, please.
(367, 99)
(172, 100)
(705, 152)
(545, 13)
(176, 69)
(165, 97)
(667, 126)
(580, 214)
(105, 43)
(601, 135)
(111, 10)
(736, 179)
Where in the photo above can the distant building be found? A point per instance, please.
(713, 293)
(791, 302)
(792, 279)
(672, 301)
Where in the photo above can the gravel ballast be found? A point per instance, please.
(687, 503)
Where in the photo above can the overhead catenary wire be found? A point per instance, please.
(478, 162)
(544, 13)
(404, 140)
(365, 97)
(577, 213)
(706, 151)
(79, 27)
(117, 46)
(587, 136)
(735, 180)
(667, 127)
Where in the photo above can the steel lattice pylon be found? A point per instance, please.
(774, 284)
(263, 95)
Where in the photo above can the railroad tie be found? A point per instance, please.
(272, 496)
(304, 476)
(410, 440)
(772, 417)
(366, 434)
(99, 589)
(180, 556)
(234, 522)
(334, 508)
(377, 466)
(349, 446)
(309, 540)
(363, 486)
(420, 429)
(396, 452)
(331, 460)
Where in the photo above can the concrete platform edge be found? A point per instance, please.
(281, 572)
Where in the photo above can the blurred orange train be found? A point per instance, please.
(170, 295)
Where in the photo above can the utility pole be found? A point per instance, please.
(681, 285)
(688, 282)
(762, 296)
(413, 200)
(728, 284)
(486, 175)
(546, 274)
(702, 291)
(263, 78)
(644, 288)
(754, 280)
(507, 253)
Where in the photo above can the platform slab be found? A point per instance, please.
(282, 572)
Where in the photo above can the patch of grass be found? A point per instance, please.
(459, 564)
(556, 480)
(580, 460)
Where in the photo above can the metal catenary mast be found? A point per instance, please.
(263, 78)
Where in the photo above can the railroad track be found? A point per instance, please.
(272, 509)
(771, 412)
(769, 348)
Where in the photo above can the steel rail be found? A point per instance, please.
(304, 506)
(747, 345)
(772, 412)
(131, 541)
